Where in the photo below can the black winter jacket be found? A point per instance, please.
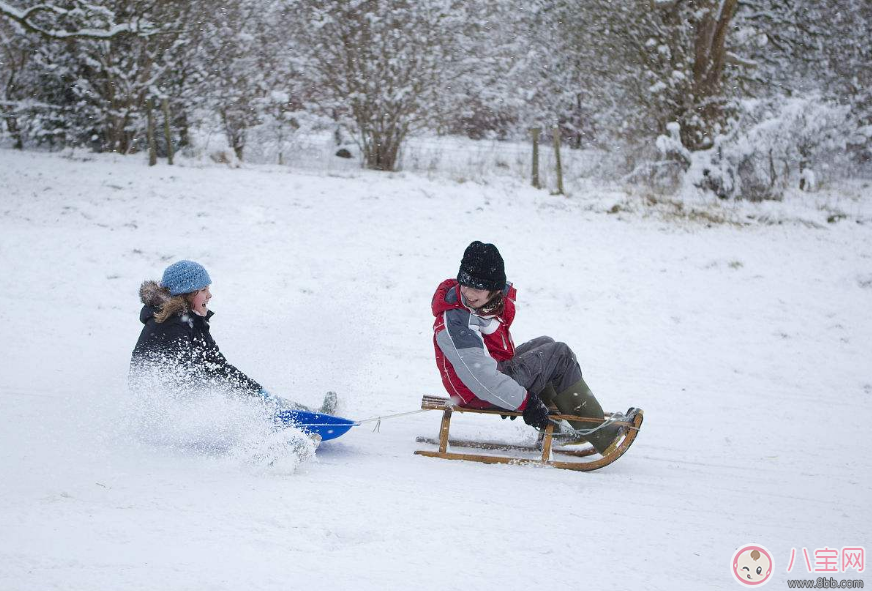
(180, 352)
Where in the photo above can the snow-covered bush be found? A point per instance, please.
(860, 150)
(773, 145)
(665, 172)
(274, 139)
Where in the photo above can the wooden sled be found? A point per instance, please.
(545, 445)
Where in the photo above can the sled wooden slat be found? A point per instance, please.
(546, 442)
(443, 431)
(439, 403)
(478, 458)
(497, 446)
(546, 448)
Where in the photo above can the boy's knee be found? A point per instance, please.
(542, 341)
(562, 350)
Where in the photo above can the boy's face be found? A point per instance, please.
(475, 297)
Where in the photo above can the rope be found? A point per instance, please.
(566, 429)
(378, 420)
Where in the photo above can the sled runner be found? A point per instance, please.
(631, 422)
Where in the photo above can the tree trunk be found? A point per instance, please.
(12, 120)
(558, 164)
(380, 150)
(235, 131)
(152, 145)
(708, 71)
(14, 131)
(337, 133)
(579, 122)
(165, 106)
(536, 131)
(184, 130)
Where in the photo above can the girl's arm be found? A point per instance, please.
(216, 365)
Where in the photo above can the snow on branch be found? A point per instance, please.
(737, 60)
(26, 18)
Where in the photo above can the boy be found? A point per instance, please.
(478, 361)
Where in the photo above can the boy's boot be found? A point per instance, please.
(547, 395)
(578, 400)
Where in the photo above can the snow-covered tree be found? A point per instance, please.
(676, 57)
(15, 57)
(487, 91)
(382, 66)
(612, 74)
(76, 19)
(246, 68)
(626, 70)
(810, 48)
(119, 78)
(101, 83)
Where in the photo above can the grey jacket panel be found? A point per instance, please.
(464, 348)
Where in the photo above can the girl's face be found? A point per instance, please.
(475, 297)
(200, 301)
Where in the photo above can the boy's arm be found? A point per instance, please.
(464, 348)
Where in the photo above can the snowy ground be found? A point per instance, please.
(744, 345)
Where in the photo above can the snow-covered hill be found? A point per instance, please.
(744, 345)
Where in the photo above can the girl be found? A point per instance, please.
(176, 352)
(478, 361)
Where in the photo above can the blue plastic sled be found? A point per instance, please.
(326, 426)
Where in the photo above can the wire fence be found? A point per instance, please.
(451, 157)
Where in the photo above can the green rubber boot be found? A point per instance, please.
(578, 400)
(548, 394)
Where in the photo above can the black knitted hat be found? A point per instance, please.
(482, 267)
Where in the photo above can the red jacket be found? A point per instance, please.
(468, 348)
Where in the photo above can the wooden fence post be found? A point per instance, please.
(152, 146)
(556, 134)
(165, 105)
(536, 131)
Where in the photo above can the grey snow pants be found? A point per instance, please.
(541, 362)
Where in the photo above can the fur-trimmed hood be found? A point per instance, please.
(156, 299)
(153, 295)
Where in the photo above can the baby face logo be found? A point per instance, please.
(752, 565)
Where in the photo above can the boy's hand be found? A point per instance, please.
(536, 413)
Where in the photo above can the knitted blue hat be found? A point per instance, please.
(185, 277)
